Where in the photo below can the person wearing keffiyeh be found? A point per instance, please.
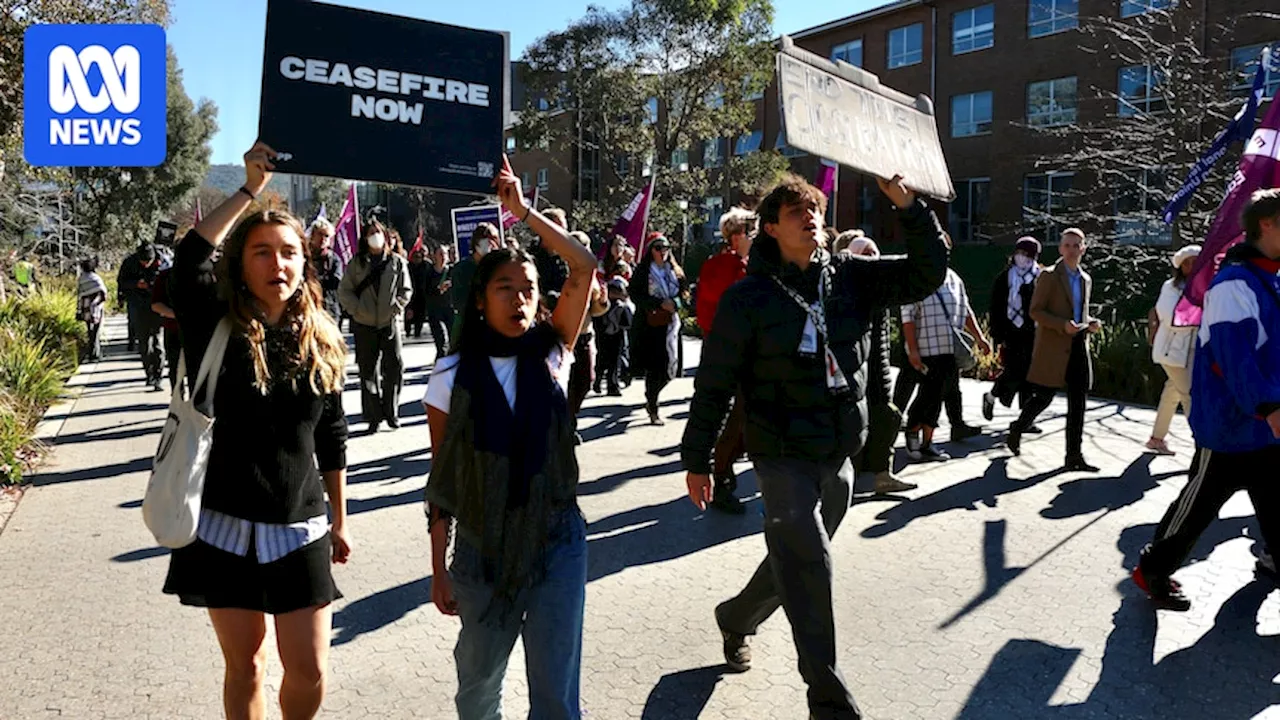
(92, 294)
(1011, 325)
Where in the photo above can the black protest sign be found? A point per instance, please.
(843, 113)
(369, 96)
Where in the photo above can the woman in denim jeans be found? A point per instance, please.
(505, 475)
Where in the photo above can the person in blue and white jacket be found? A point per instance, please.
(1235, 409)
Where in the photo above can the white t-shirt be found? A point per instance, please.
(440, 387)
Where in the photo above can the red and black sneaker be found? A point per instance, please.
(1164, 593)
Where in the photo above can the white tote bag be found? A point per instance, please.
(171, 506)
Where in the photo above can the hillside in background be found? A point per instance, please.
(228, 178)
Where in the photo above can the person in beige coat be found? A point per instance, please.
(375, 291)
(1060, 308)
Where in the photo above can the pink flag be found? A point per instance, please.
(1259, 169)
(347, 230)
(633, 221)
(827, 178)
(199, 214)
(508, 220)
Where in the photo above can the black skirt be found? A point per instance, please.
(201, 575)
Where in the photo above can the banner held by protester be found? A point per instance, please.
(465, 220)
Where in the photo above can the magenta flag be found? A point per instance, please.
(1259, 169)
(509, 220)
(347, 230)
(633, 221)
(827, 179)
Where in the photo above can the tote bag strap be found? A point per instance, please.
(212, 359)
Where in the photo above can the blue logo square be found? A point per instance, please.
(94, 95)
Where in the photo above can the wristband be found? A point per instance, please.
(526, 214)
(245, 190)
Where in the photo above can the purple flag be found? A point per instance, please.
(631, 224)
(1259, 169)
(347, 230)
(827, 179)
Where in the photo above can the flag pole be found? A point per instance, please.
(644, 232)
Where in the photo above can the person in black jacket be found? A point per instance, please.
(415, 314)
(884, 417)
(794, 335)
(439, 311)
(1012, 327)
(327, 267)
(265, 539)
(134, 283)
(655, 288)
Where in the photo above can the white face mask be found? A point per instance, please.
(1023, 262)
(377, 242)
(482, 247)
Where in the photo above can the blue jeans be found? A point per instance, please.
(547, 615)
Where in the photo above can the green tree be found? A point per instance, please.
(329, 192)
(644, 83)
(122, 205)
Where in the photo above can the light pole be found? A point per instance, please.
(684, 220)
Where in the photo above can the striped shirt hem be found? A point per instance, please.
(231, 534)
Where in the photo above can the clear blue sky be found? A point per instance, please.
(219, 43)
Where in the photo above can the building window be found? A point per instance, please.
(906, 46)
(511, 144)
(1044, 201)
(971, 114)
(850, 52)
(1129, 8)
(867, 207)
(780, 144)
(715, 208)
(647, 169)
(1138, 90)
(543, 180)
(678, 158)
(1140, 200)
(525, 179)
(651, 111)
(1047, 17)
(1051, 102)
(973, 29)
(1244, 63)
(748, 143)
(715, 98)
(713, 153)
(968, 213)
(752, 91)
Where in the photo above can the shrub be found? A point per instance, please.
(15, 432)
(27, 373)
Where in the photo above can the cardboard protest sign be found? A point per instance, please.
(465, 220)
(369, 96)
(843, 113)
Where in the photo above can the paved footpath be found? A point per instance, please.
(995, 591)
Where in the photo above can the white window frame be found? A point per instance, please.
(906, 55)
(526, 180)
(1042, 217)
(712, 153)
(953, 218)
(973, 126)
(1135, 106)
(544, 179)
(1134, 8)
(679, 156)
(974, 37)
(714, 205)
(748, 143)
(511, 144)
(1058, 21)
(1057, 113)
(1243, 69)
(1143, 226)
(845, 49)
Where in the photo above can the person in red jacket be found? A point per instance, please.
(737, 227)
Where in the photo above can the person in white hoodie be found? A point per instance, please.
(1172, 348)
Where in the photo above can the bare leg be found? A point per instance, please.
(240, 634)
(303, 639)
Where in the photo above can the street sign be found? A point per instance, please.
(843, 113)
(364, 95)
(465, 220)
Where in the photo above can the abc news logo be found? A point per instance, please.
(95, 95)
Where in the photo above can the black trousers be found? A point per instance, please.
(150, 343)
(172, 352)
(580, 374)
(609, 359)
(1016, 360)
(1078, 381)
(941, 380)
(381, 371)
(905, 387)
(1215, 477)
(439, 319)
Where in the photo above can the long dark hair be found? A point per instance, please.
(471, 331)
(371, 227)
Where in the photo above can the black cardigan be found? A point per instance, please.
(263, 464)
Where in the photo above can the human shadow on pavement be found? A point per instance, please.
(412, 463)
(144, 554)
(142, 464)
(1227, 673)
(112, 410)
(994, 564)
(355, 506)
(966, 495)
(120, 432)
(1091, 494)
(658, 533)
(379, 610)
(682, 695)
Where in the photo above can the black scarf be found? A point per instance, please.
(516, 435)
